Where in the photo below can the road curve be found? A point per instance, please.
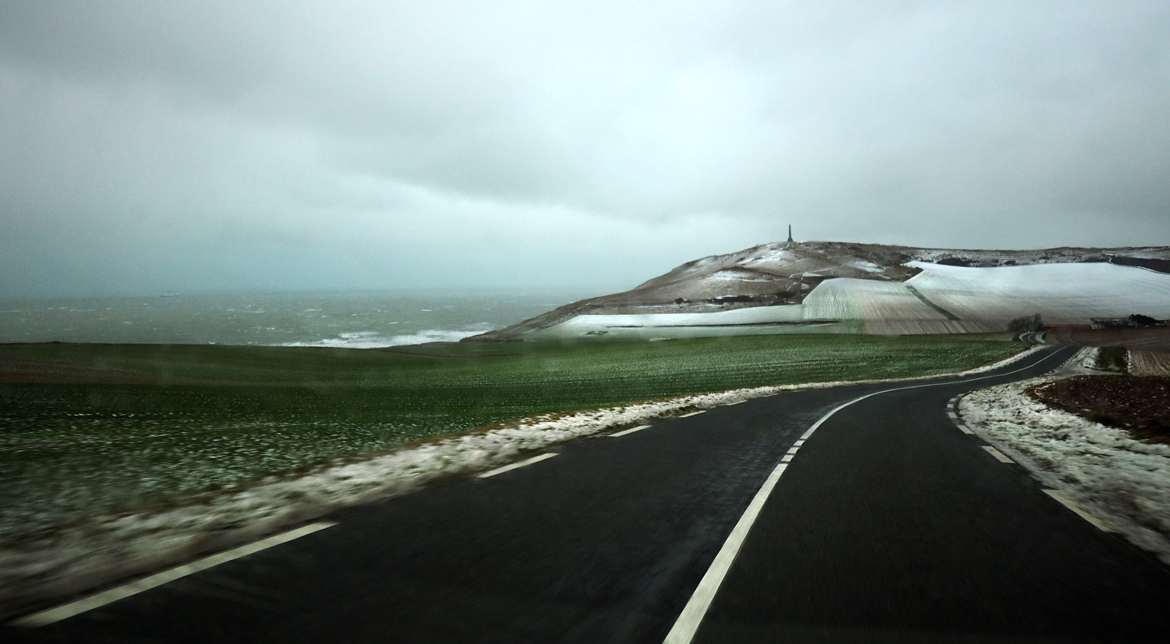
(889, 524)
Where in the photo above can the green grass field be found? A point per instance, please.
(101, 428)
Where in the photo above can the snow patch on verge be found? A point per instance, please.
(106, 548)
(868, 267)
(739, 276)
(1122, 482)
(1083, 361)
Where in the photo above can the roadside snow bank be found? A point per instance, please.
(1084, 361)
(1125, 483)
(73, 558)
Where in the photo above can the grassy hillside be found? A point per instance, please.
(96, 428)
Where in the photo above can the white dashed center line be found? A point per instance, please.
(999, 456)
(517, 465)
(1076, 509)
(631, 430)
(688, 621)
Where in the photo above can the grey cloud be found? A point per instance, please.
(247, 145)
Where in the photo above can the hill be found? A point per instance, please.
(839, 287)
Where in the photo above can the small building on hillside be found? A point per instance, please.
(1135, 321)
(1110, 323)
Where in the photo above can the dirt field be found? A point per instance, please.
(1136, 339)
(1149, 363)
(1149, 349)
(1140, 405)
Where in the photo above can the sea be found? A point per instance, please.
(355, 319)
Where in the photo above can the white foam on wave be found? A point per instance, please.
(375, 340)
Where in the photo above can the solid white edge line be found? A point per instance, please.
(516, 465)
(694, 413)
(97, 600)
(1077, 510)
(738, 402)
(688, 621)
(963, 428)
(999, 456)
(631, 430)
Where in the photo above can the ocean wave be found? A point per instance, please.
(375, 340)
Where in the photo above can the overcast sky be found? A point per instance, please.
(156, 146)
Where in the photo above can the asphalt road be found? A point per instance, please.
(888, 525)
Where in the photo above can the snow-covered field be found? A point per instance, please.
(887, 308)
(1090, 282)
(860, 299)
(839, 305)
(949, 299)
(1060, 293)
(1122, 482)
(69, 559)
(744, 321)
(790, 313)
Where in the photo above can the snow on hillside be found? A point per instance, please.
(753, 315)
(1060, 293)
(732, 275)
(771, 255)
(835, 306)
(940, 299)
(958, 291)
(862, 265)
(857, 299)
(884, 308)
(744, 321)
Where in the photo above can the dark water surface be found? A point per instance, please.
(336, 319)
